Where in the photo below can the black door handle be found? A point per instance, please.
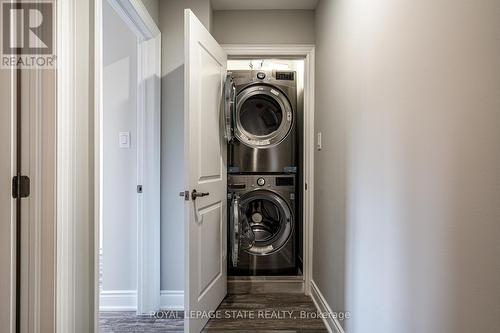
(196, 194)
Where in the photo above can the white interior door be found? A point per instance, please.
(205, 153)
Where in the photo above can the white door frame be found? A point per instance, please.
(305, 52)
(137, 18)
(8, 169)
(79, 109)
(73, 170)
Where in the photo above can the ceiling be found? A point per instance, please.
(263, 4)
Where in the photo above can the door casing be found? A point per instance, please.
(135, 15)
(79, 106)
(8, 168)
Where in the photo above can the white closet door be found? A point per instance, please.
(205, 153)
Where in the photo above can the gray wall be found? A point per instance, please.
(172, 173)
(153, 7)
(407, 213)
(119, 238)
(264, 26)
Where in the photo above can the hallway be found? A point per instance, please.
(250, 166)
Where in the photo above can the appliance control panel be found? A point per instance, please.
(245, 182)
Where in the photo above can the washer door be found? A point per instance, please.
(241, 235)
(270, 220)
(263, 116)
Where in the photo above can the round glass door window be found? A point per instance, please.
(270, 221)
(263, 116)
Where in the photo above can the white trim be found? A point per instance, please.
(135, 15)
(74, 170)
(259, 50)
(8, 170)
(75, 309)
(332, 324)
(66, 165)
(98, 157)
(148, 167)
(118, 300)
(172, 300)
(126, 300)
(307, 52)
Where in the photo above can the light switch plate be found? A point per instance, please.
(124, 139)
(319, 144)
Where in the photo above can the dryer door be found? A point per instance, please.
(263, 116)
(229, 105)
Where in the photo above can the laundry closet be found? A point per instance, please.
(263, 126)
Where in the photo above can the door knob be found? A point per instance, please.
(196, 194)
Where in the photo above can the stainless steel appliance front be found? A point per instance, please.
(261, 121)
(262, 222)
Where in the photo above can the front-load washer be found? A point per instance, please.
(260, 114)
(261, 237)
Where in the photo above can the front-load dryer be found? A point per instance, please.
(261, 236)
(261, 111)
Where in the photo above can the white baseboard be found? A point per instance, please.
(332, 324)
(172, 300)
(126, 300)
(118, 300)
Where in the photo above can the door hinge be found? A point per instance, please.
(139, 188)
(20, 187)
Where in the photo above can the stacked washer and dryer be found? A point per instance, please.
(261, 126)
